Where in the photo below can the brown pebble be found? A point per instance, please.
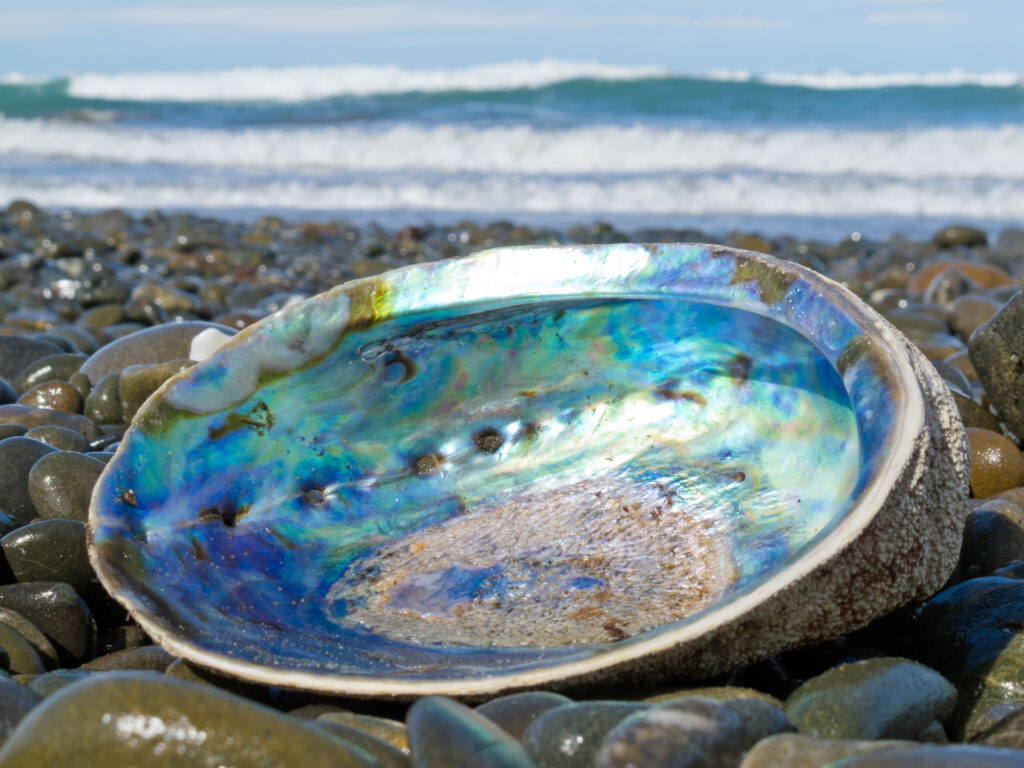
(996, 463)
(53, 396)
(1016, 495)
(985, 275)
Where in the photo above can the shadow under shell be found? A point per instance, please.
(501, 487)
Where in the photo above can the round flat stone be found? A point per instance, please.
(54, 396)
(383, 754)
(446, 734)
(16, 701)
(30, 417)
(60, 438)
(871, 699)
(16, 352)
(103, 405)
(58, 367)
(17, 653)
(571, 735)
(49, 550)
(152, 345)
(389, 731)
(33, 634)
(517, 711)
(8, 394)
(61, 483)
(993, 538)
(59, 612)
(996, 463)
(138, 382)
(51, 682)
(151, 721)
(17, 456)
(929, 756)
(151, 658)
(792, 750)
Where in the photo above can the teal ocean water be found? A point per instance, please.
(546, 142)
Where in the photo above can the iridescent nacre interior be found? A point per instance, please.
(500, 485)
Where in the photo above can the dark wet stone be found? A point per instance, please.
(8, 394)
(140, 718)
(996, 463)
(150, 658)
(60, 367)
(972, 414)
(16, 352)
(971, 633)
(929, 756)
(60, 485)
(959, 234)
(515, 712)
(121, 638)
(16, 701)
(685, 733)
(42, 646)
(103, 405)
(138, 382)
(391, 732)
(17, 655)
(758, 719)
(54, 396)
(446, 734)
(385, 755)
(60, 438)
(792, 750)
(51, 682)
(871, 699)
(59, 612)
(34, 417)
(993, 538)
(50, 550)
(152, 345)
(997, 352)
(81, 340)
(17, 455)
(571, 735)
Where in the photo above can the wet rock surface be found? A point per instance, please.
(81, 684)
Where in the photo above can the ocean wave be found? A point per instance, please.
(312, 83)
(908, 154)
(838, 80)
(743, 195)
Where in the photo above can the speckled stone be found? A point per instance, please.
(11, 430)
(688, 732)
(871, 699)
(40, 643)
(54, 396)
(59, 612)
(61, 483)
(18, 351)
(152, 345)
(969, 313)
(16, 701)
(17, 455)
(570, 736)
(49, 550)
(103, 405)
(517, 711)
(34, 417)
(446, 734)
(970, 633)
(60, 438)
(993, 538)
(151, 721)
(997, 351)
(996, 463)
(138, 382)
(58, 367)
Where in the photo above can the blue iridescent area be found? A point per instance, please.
(494, 465)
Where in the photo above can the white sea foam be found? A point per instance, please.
(834, 80)
(905, 154)
(309, 83)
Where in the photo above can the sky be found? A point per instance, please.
(54, 37)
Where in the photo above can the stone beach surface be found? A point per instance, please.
(98, 309)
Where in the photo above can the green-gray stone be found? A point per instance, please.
(17, 456)
(12, 430)
(16, 701)
(569, 736)
(29, 417)
(391, 732)
(17, 654)
(993, 538)
(995, 349)
(18, 351)
(515, 712)
(103, 405)
(51, 682)
(384, 754)
(931, 756)
(60, 485)
(875, 698)
(446, 734)
(138, 382)
(59, 367)
(61, 438)
(59, 612)
(33, 634)
(48, 550)
(150, 658)
(101, 316)
(792, 750)
(151, 721)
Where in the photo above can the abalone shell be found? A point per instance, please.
(536, 466)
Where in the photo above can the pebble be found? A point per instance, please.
(51, 682)
(61, 438)
(969, 313)
(138, 382)
(54, 396)
(996, 463)
(60, 485)
(48, 550)
(517, 711)
(384, 755)
(984, 275)
(103, 405)
(959, 234)
(151, 658)
(59, 367)
(59, 612)
(30, 417)
(391, 732)
(880, 698)
(42, 646)
(446, 734)
(17, 455)
(16, 701)
(570, 736)
(993, 537)
(997, 352)
(17, 655)
(792, 750)
(8, 394)
(16, 352)
(148, 720)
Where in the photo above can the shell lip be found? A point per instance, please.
(872, 496)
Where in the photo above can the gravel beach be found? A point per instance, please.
(97, 310)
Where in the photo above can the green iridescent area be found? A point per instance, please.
(488, 466)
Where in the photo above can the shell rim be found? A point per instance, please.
(908, 422)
